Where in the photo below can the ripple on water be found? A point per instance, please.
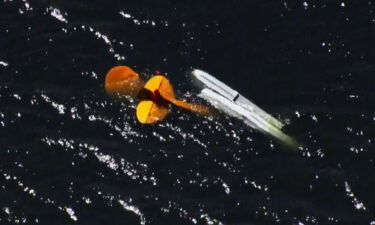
(70, 154)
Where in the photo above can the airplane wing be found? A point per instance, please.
(236, 105)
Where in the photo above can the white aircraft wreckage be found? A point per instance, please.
(233, 104)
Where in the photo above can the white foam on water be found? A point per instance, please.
(59, 107)
(71, 213)
(128, 207)
(35, 195)
(140, 22)
(57, 14)
(134, 172)
(3, 63)
(358, 205)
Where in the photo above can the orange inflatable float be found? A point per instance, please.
(155, 95)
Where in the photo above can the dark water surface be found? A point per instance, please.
(69, 154)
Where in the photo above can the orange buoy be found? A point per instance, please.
(123, 80)
(159, 85)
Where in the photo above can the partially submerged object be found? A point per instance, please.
(155, 96)
(122, 80)
(232, 103)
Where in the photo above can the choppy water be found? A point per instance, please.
(71, 155)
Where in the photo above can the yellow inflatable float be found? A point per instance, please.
(155, 95)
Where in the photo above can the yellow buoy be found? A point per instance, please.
(149, 112)
(153, 84)
(122, 80)
(159, 85)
